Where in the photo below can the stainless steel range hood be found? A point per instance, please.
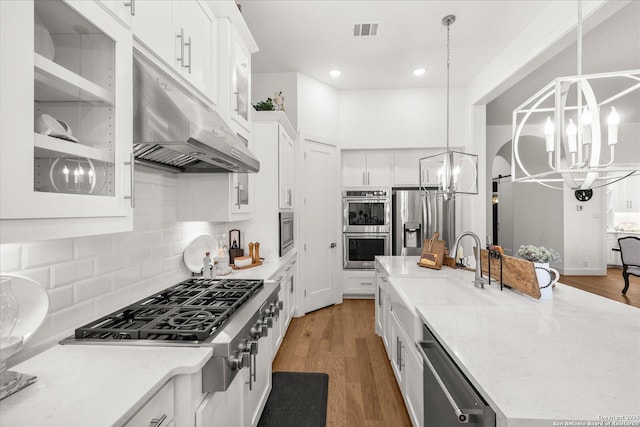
(174, 130)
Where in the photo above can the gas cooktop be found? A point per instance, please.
(193, 310)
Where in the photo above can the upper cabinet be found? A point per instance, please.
(366, 169)
(286, 159)
(183, 34)
(67, 153)
(407, 171)
(626, 195)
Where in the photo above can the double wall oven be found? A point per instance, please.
(366, 226)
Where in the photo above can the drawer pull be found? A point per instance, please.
(366, 283)
(157, 422)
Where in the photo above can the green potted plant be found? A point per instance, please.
(541, 257)
(266, 105)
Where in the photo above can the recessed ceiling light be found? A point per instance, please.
(335, 73)
(419, 71)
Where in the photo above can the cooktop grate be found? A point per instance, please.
(192, 310)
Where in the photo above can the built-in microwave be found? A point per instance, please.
(360, 249)
(286, 232)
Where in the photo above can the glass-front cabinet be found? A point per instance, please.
(66, 120)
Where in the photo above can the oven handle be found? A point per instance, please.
(463, 418)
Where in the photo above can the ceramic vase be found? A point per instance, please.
(546, 281)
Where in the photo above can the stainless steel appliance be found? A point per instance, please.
(360, 249)
(449, 397)
(194, 313)
(416, 215)
(366, 211)
(286, 232)
(174, 131)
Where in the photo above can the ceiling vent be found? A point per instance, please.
(365, 29)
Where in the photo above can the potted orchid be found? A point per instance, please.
(541, 257)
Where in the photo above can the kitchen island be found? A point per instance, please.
(575, 358)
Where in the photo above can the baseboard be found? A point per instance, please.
(584, 272)
(358, 296)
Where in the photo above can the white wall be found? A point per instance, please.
(318, 108)
(89, 277)
(402, 118)
(584, 234)
(264, 85)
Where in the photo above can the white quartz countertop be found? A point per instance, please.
(264, 271)
(84, 385)
(576, 357)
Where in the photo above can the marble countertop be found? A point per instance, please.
(84, 385)
(264, 271)
(576, 357)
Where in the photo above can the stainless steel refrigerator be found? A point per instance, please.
(415, 216)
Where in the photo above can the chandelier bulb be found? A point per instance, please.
(65, 172)
(585, 121)
(549, 129)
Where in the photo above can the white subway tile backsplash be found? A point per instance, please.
(72, 317)
(174, 263)
(61, 298)
(62, 274)
(163, 280)
(150, 269)
(161, 252)
(92, 246)
(137, 257)
(171, 236)
(47, 252)
(111, 262)
(92, 288)
(123, 241)
(151, 238)
(10, 258)
(112, 301)
(41, 275)
(123, 278)
(178, 247)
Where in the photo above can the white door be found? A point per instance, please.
(318, 226)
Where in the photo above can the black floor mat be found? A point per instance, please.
(297, 399)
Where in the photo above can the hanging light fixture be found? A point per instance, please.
(453, 172)
(575, 150)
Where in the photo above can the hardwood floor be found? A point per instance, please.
(609, 286)
(341, 341)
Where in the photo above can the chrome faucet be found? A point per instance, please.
(478, 280)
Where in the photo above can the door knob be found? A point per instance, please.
(332, 245)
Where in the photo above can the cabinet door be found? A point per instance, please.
(256, 396)
(292, 291)
(285, 169)
(152, 26)
(72, 77)
(379, 308)
(240, 81)
(123, 10)
(223, 408)
(277, 332)
(200, 31)
(378, 169)
(354, 165)
(386, 321)
(240, 193)
(406, 168)
(414, 388)
(396, 349)
(359, 283)
(161, 404)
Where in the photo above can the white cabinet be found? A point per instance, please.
(286, 159)
(240, 81)
(216, 197)
(222, 408)
(183, 34)
(159, 409)
(360, 283)
(407, 170)
(123, 10)
(366, 169)
(223, 197)
(257, 383)
(67, 152)
(382, 310)
(626, 195)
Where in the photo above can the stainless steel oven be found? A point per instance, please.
(360, 249)
(366, 211)
(286, 232)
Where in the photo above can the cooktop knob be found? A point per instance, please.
(239, 361)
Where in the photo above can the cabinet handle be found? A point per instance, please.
(189, 52)
(181, 37)
(290, 197)
(157, 422)
(132, 197)
(132, 5)
(364, 179)
(291, 286)
(368, 179)
(398, 353)
(379, 297)
(238, 195)
(366, 283)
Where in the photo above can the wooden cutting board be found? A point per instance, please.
(517, 273)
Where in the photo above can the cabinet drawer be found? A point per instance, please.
(359, 283)
(160, 405)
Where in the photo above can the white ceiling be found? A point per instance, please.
(314, 36)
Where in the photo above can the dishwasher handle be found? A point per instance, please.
(462, 416)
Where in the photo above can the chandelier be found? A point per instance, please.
(573, 143)
(452, 172)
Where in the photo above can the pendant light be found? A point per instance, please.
(580, 139)
(452, 172)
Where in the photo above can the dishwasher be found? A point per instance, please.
(449, 397)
